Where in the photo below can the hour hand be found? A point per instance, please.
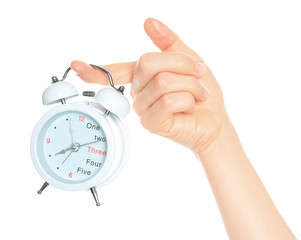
(63, 151)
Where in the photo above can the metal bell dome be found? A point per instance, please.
(57, 91)
(114, 101)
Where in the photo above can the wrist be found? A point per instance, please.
(225, 144)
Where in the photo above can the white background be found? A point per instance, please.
(253, 47)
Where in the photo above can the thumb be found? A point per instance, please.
(167, 40)
(122, 73)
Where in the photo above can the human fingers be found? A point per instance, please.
(164, 83)
(159, 117)
(151, 64)
(166, 39)
(122, 73)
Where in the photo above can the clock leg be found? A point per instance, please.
(43, 187)
(95, 195)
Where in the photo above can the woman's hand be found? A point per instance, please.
(175, 94)
(170, 97)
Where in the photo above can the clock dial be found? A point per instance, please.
(74, 146)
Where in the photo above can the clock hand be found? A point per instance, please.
(75, 146)
(89, 143)
(71, 130)
(63, 151)
(67, 157)
(72, 138)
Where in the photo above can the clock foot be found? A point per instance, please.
(43, 187)
(95, 196)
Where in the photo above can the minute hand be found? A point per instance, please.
(88, 143)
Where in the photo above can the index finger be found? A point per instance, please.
(122, 73)
(150, 64)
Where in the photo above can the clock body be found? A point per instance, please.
(73, 146)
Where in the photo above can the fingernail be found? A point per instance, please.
(206, 93)
(200, 68)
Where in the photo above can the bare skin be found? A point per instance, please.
(177, 96)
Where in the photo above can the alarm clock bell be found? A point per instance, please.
(114, 101)
(58, 91)
(111, 99)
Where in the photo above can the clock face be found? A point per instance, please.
(72, 147)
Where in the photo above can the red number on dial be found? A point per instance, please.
(70, 174)
(81, 118)
(48, 140)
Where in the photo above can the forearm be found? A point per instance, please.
(246, 208)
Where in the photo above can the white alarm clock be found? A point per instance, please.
(81, 145)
